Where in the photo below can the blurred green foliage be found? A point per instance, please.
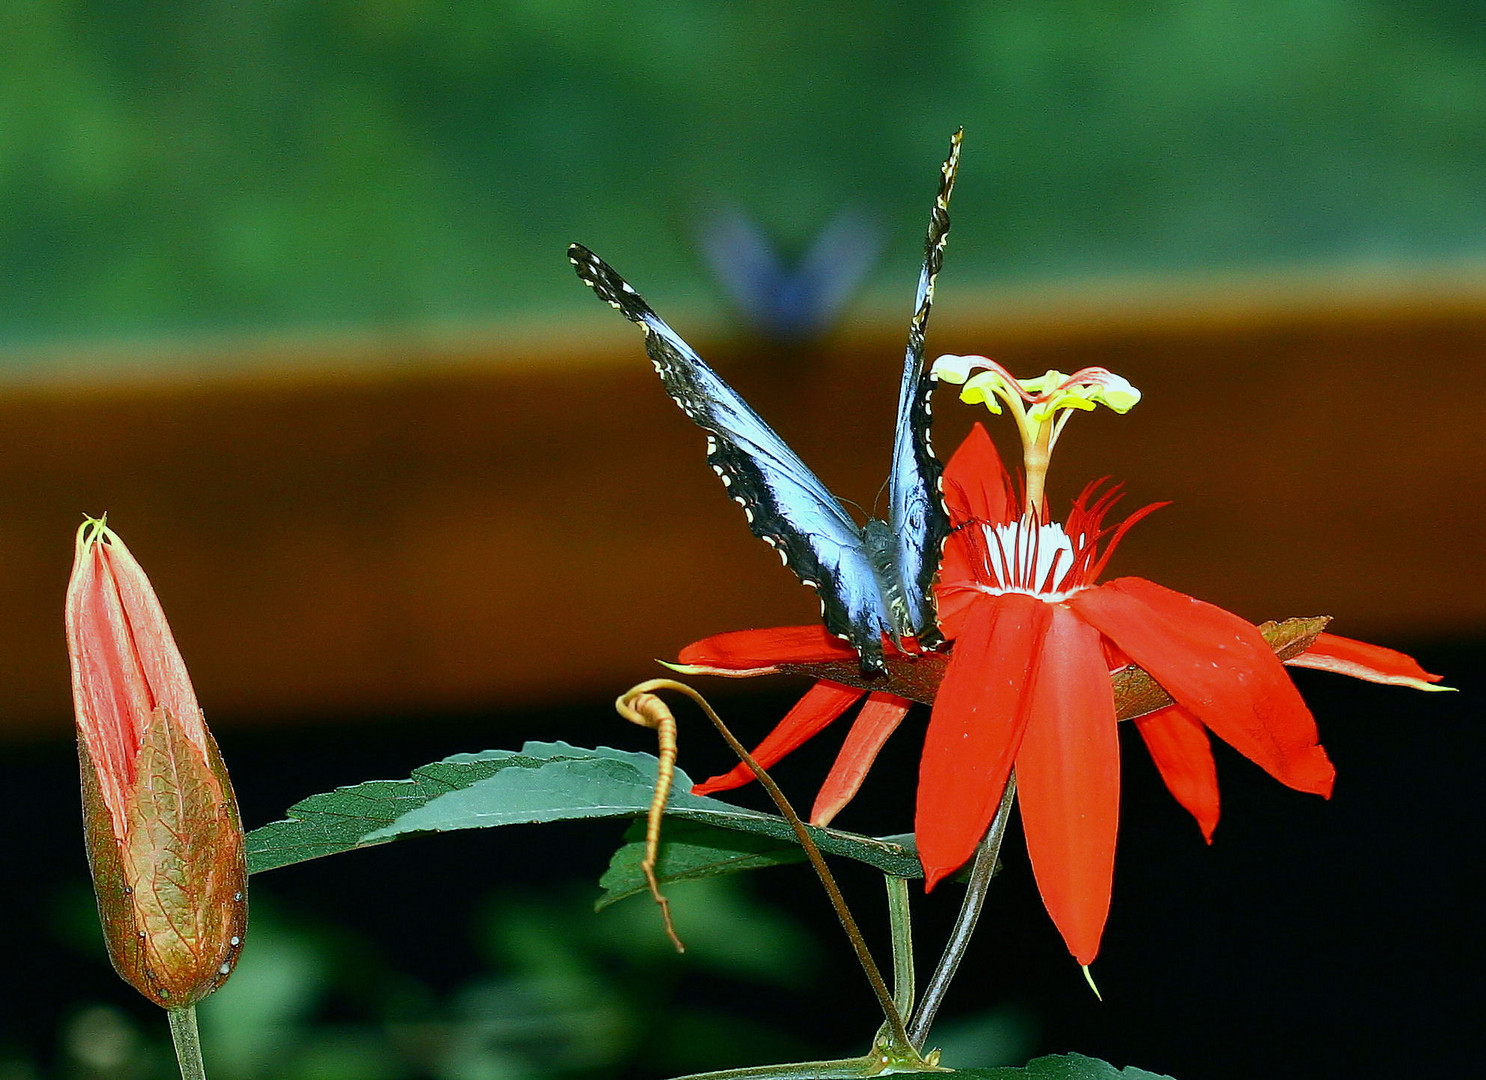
(227, 164)
(561, 993)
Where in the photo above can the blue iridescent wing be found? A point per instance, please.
(917, 522)
(787, 506)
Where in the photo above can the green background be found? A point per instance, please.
(266, 164)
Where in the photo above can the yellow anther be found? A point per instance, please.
(1082, 391)
(1118, 393)
(1074, 398)
(985, 389)
(955, 369)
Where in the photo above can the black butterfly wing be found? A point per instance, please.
(917, 521)
(787, 506)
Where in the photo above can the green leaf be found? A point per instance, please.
(1062, 1067)
(540, 783)
(691, 850)
(1052, 1067)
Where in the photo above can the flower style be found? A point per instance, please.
(1028, 684)
(165, 843)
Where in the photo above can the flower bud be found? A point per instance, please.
(165, 843)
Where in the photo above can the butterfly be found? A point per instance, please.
(874, 579)
(789, 302)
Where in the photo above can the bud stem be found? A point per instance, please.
(187, 1042)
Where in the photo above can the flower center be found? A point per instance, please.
(1026, 557)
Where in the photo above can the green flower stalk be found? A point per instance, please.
(165, 843)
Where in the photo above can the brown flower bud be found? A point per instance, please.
(164, 839)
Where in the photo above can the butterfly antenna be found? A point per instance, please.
(858, 507)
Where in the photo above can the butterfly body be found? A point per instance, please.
(873, 580)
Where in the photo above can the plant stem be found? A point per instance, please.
(898, 1033)
(187, 1042)
(835, 1069)
(900, 917)
(981, 871)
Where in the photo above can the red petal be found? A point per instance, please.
(878, 719)
(975, 728)
(761, 651)
(1219, 668)
(821, 704)
(154, 645)
(110, 694)
(1360, 660)
(124, 662)
(958, 567)
(1179, 747)
(976, 486)
(1114, 656)
(1068, 781)
(951, 607)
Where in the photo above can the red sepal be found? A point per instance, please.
(1344, 656)
(976, 484)
(821, 704)
(1219, 668)
(1179, 746)
(748, 650)
(878, 719)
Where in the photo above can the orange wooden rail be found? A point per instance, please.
(351, 526)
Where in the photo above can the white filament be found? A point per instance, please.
(1027, 558)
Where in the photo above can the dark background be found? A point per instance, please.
(1312, 939)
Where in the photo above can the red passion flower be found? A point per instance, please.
(1027, 683)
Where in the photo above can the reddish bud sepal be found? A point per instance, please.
(164, 839)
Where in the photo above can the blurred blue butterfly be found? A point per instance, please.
(789, 302)
(872, 580)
